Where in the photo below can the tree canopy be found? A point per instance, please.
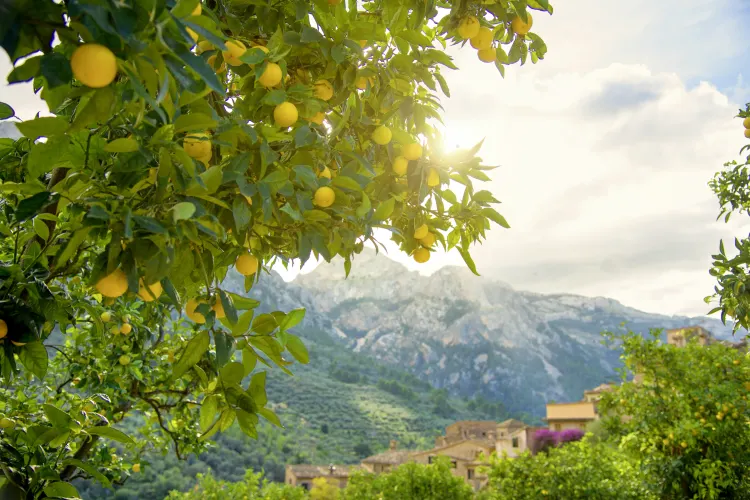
(187, 139)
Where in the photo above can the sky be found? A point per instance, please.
(604, 149)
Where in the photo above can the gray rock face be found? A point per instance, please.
(471, 335)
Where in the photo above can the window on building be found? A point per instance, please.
(582, 426)
(453, 464)
(469, 473)
(306, 486)
(429, 459)
(558, 427)
(515, 442)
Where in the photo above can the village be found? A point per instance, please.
(467, 443)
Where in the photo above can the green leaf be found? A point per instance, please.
(122, 145)
(247, 423)
(270, 416)
(364, 207)
(194, 351)
(110, 433)
(495, 217)
(31, 206)
(469, 262)
(6, 111)
(292, 319)
(249, 360)
(345, 182)
(25, 72)
(257, 388)
(61, 489)
(194, 122)
(57, 417)
(209, 408)
(183, 210)
(56, 69)
(73, 243)
(297, 349)
(90, 470)
(41, 229)
(384, 210)
(229, 310)
(44, 126)
(34, 358)
(264, 324)
(311, 35)
(200, 66)
(232, 373)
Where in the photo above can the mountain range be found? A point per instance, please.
(474, 336)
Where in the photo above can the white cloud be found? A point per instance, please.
(605, 149)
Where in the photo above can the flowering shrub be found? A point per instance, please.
(545, 438)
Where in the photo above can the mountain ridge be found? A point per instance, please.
(471, 335)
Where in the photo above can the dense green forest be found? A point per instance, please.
(341, 407)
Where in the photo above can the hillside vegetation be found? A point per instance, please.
(341, 407)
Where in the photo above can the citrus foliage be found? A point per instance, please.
(580, 469)
(687, 421)
(324, 488)
(187, 139)
(732, 187)
(410, 481)
(251, 488)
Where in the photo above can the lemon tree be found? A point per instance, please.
(686, 422)
(188, 139)
(732, 188)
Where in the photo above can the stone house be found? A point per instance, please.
(386, 461)
(302, 475)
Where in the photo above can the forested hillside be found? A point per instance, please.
(339, 408)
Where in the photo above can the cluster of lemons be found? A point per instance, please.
(482, 37)
(746, 124)
(115, 285)
(426, 238)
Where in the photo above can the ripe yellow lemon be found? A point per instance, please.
(421, 255)
(197, 145)
(205, 159)
(190, 312)
(483, 39)
(271, 75)
(746, 122)
(94, 65)
(326, 172)
(114, 330)
(487, 55)
(126, 328)
(3, 328)
(400, 165)
(382, 135)
(363, 43)
(285, 114)
(212, 62)
(218, 309)
(235, 50)
(317, 118)
(323, 90)
(137, 467)
(468, 27)
(747, 133)
(124, 360)
(150, 292)
(106, 316)
(362, 82)
(203, 47)
(421, 232)
(433, 178)
(246, 264)
(412, 151)
(428, 240)
(324, 197)
(519, 27)
(193, 35)
(113, 285)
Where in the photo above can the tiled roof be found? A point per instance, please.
(306, 470)
(392, 457)
(511, 422)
